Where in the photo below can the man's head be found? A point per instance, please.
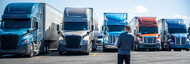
(127, 28)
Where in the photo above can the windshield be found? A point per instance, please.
(75, 26)
(116, 27)
(148, 30)
(22, 23)
(177, 30)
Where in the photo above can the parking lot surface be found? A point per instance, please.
(100, 57)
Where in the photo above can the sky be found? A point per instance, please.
(141, 8)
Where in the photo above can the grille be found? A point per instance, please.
(113, 39)
(180, 41)
(99, 41)
(73, 41)
(150, 40)
(177, 41)
(9, 42)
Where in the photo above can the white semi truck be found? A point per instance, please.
(79, 31)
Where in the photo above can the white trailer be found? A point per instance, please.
(51, 18)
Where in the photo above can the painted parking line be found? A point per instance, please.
(97, 52)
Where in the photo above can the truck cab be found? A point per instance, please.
(27, 28)
(173, 34)
(20, 32)
(79, 31)
(114, 24)
(145, 32)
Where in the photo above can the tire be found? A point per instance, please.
(152, 49)
(94, 43)
(177, 49)
(169, 49)
(187, 49)
(47, 49)
(90, 47)
(136, 48)
(60, 53)
(94, 48)
(104, 49)
(31, 54)
(158, 50)
(0, 55)
(44, 49)
(87, 53)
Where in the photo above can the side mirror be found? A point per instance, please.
(134, 31)
(29, 31)
(88, 32)
(57, 27)
(60, 33)
(36, 25)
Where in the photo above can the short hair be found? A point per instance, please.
(127, 27)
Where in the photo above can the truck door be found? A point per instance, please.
(34, 32)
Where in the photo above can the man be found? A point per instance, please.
(125, 43)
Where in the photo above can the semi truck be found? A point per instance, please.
(173, 34)
(145, 32)
(28, 28)
(79, 31)
(114, 24)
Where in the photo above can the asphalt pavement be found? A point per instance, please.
(100, 57)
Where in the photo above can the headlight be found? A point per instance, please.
(25, 41)
(140, 41)
(84, 42)
(170, 41)
(188, 41)
(62, 42)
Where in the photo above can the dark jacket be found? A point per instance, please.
(125, 43)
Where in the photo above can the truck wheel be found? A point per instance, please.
(47, 49)
(187, 49)
(136, 47)
(94, 48)
(31, 54)
(0, 55)
(104, 50)
(177, 49)
(152, 49)
(90, 47)
(44, 49)
(60, 53)
(87, 53)
(169, 49)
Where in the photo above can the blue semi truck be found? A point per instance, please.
(114, 24)
(28, 28)
(173, 34)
